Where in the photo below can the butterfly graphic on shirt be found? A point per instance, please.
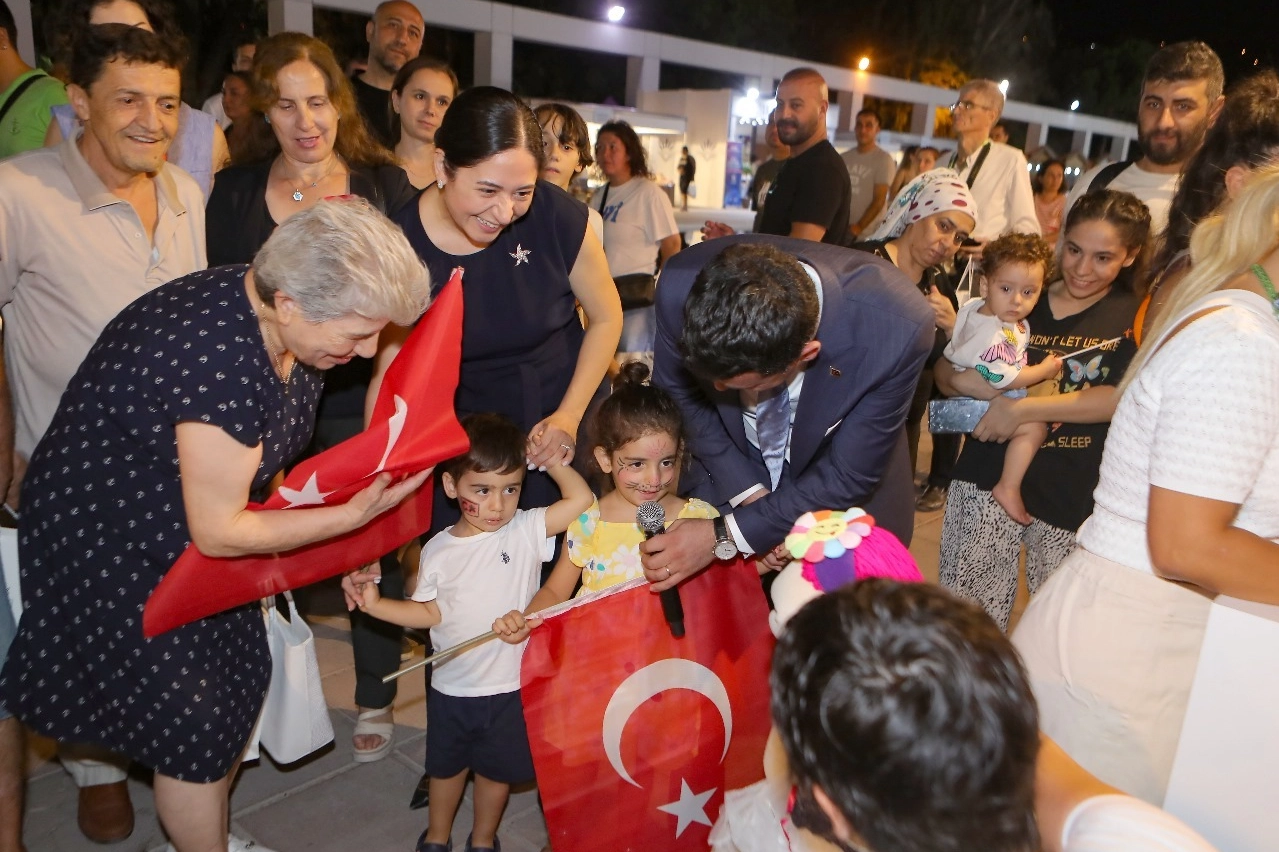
(1083, 373)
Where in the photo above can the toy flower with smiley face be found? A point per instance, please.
(828, 533)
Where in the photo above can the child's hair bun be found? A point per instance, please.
(631, 373)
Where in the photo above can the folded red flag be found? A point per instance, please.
(636, 734)
(413, 427)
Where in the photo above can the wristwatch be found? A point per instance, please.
(725, 547)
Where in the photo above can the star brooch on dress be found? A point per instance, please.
(521, 254)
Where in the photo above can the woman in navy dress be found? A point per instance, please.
(186, 408)
(528, 259)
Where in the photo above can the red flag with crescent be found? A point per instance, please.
(412, 428)
(636, 734)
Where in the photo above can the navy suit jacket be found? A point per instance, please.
(848, 444)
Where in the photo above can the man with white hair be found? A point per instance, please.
(996, 173)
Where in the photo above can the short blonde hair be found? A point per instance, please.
(343, 257)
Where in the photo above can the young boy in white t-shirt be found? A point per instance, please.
(471, 573)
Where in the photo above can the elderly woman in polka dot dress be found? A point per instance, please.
(191, 402)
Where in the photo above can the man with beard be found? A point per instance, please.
(1180, 98)
(395, 36)
(810, 197)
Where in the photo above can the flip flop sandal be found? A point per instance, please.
(365, 728)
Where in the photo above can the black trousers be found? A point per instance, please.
(945, 447)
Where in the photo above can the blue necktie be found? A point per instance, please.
(772, 426)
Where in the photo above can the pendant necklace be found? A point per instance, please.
(277, 356)
(297, 190)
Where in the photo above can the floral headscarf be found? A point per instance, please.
(932, 192)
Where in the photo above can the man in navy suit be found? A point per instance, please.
(794, 364)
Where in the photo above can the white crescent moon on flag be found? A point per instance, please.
(395, 426)
(649, 681)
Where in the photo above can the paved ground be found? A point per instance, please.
(327, 803)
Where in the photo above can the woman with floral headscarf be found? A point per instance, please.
(919, 234)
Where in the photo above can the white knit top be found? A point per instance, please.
(1202, 418)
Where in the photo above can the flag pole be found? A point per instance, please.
(549, 612)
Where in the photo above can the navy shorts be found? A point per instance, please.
(484, 734)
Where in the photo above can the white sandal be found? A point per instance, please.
(365, 728)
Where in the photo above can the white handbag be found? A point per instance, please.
(295, 716)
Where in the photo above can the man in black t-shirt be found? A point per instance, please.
(395, 37)
(810, 197)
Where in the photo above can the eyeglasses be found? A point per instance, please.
(967, 106)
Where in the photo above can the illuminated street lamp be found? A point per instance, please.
(1074, 105)
(1003, 88)
(615, 13)
(863, 63)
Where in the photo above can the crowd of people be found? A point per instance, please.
(194, 300)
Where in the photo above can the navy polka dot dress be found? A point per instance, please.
(103, 520)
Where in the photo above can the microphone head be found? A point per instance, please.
(651, 517)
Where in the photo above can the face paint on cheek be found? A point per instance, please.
(469, 508)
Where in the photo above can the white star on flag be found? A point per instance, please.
(690, 808)
(310, 495)
(521, 254)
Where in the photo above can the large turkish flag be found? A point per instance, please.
(637, 734)
(413, 427)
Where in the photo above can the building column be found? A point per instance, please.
(850, 103)
(1036, 136)
(1080, 142)
(1118, 148)
(643, 74)
(290, 16)
(923, 120)
(495, 50)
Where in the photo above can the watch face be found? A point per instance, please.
(725, 550)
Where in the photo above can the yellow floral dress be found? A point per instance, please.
(608, 551)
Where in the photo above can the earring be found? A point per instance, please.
(266, 118)
(440, 184)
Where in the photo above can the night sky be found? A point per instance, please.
(1229, 26)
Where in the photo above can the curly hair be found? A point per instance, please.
(1029, 249)
(636, 158)
(354, 143)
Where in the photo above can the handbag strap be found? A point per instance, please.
(18, 92)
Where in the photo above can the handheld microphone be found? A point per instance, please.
(651, 518)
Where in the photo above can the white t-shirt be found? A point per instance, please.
(1005, 200)
(1201, 418)
(637, 217)
(474, 579)
(995, 349)
(1155, 189)
(1125, 824)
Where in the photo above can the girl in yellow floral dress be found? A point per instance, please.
(638, 438)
